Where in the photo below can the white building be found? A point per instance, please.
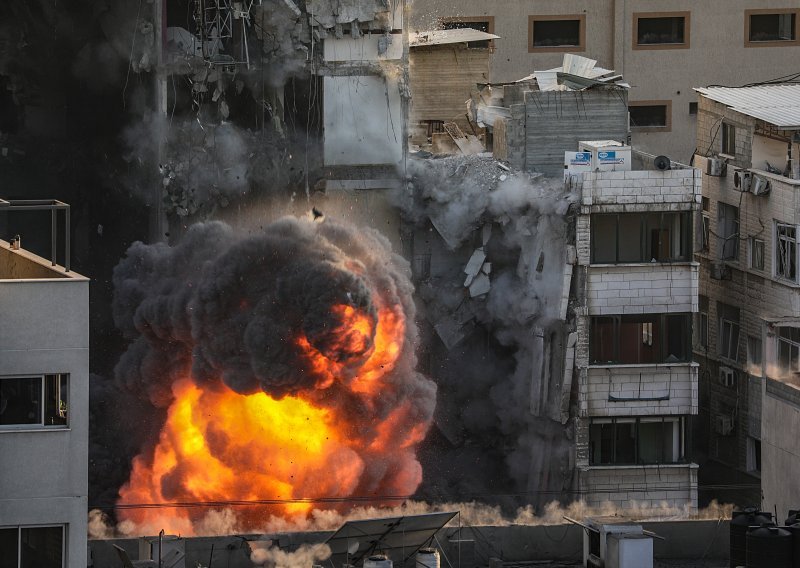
(749, 342)
(637, 293)
(44, 410)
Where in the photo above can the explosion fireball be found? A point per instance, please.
(285, 366)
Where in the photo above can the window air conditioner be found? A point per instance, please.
(723, 425)
(727, 377)
(716, 167)
(759, 186)
(741, 180)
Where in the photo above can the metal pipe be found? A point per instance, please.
(53, 229)
(66, 243)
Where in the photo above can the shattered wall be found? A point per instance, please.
(490, 254)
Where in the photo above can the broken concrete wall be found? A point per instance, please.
(442, 78)
(557, 120)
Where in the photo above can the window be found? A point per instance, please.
(786, 251)
(32, 547)
(756, 253)
(728, 227)
(702, 316)
(753, 454)
(728, 139)
(627, 441)
(655, 115)
(706, 226)
(556, 33)
(754, 355)
(692, 108)
(640, 339)
(788, 349)
(770, 27)
(728, 339)
(480, 23)
(661, 30)
(33, 401)
(640, 237)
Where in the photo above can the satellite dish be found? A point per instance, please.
(662, 163)
(352, 547)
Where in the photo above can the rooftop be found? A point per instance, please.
(776, 104)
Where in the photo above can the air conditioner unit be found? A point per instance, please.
(716, 167)
(760, 186)
(723, 425)
(741, 180)
(727, 377)
(720, 271)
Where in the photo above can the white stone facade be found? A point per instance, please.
(660, 387)
(44, 472)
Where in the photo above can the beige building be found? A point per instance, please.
(44, 407)
(663, 48)
(748, 338)
(637, 384)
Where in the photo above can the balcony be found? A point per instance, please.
(639, 390)
(622, 485)
(642, 288)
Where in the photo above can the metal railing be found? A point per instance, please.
(52, 205)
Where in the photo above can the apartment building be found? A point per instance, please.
(637, 295)
(663, 48)
(749, 336)
(44, 407)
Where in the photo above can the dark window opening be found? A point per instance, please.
(645, 116)
(728, 139)
(36, 401)
(32, 547)
(788, 349)
(661, 31)
(483, 26)
(773, 27)
(786, 252)
(692, 108)
(628, 441)
(728, 228)
(728, 337)
(556, 33)
(641, 237)
(640, 339)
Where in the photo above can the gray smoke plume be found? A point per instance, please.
(494, 351)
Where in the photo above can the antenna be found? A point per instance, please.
(662, 163)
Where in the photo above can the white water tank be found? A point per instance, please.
(629, 551)
(378, 561)
(428, 558)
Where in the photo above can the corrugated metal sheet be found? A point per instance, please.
(776, 104)
(441, 37)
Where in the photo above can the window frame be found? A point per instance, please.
(728, 139)
(734, 332)
(687, 20)
(20, 528)
(684, 228)
(722, 240)
(773, 42)
(471, 19)
(580, 18)
(754, 245)
(678, 422)
(792, 346)
(777, 257)
(666, 103)
(663, 339)
(63, 410)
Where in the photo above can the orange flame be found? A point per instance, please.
(220, 446)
